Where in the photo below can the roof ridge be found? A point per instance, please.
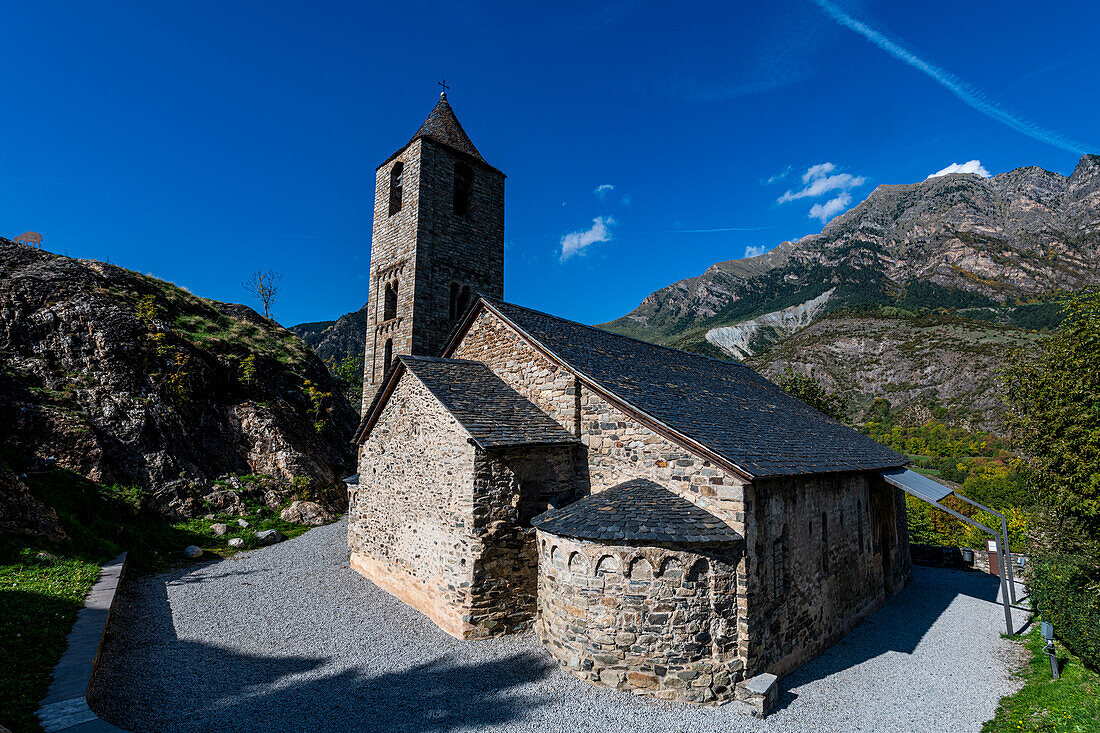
(618, 335)
(447, 360)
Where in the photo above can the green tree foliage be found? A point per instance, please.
(1055, 416)
(1055, 413)
(317, 409)
(146, 310)
(248, 369)
(933, 438)
(1065, 589)
(349, 374)
(813, 393)
(924, 296)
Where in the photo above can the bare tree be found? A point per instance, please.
(264, 284)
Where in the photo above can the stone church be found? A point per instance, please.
(666, 523)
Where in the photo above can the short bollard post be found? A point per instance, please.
(1048, 634)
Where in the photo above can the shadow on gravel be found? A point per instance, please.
(898, 626)
(193, 686)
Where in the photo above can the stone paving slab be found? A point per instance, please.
(65, 707)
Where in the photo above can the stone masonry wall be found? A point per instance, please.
(820, 574)
(409, 521)
(509, 488)
(392, 260)
(891, 534)
(467, 250)
(619, 447)
(654, 620)
(445, 526)
(425, 247)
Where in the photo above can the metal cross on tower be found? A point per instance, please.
(444, 85)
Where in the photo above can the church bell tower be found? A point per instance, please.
(438, 240)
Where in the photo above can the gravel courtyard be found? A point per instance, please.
(288, 638)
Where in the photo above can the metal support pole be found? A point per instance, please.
(1007, 548)
(1004, 584)
(1008, 561)
(997, 538)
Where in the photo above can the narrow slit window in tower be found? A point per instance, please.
(455, 289)
(463, 300)
(387, 357)
(389, 308)
(396, 187)
(464, 180)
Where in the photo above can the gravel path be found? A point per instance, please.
(287, 638)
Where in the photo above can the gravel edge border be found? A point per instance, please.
(65, 707)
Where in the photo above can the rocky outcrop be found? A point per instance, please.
(22, 514)
(307, 512)
(129, 380)
(741, 339)
(914, 364)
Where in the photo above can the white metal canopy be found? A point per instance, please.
(919, 486)
(934, 492)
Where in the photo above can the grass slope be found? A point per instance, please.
(1070, 704)
(39, 599)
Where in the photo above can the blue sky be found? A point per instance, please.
(198, 141)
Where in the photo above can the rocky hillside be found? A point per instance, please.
(916, 294)
(131, 381)
(336, 340)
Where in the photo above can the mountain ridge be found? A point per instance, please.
(995, 253)
(896, 225)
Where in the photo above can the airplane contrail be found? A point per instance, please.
(705, 231)
(966, 92)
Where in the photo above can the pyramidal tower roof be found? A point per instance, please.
(443, 127)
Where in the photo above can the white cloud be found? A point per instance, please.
(965, 92)
(819, 180)
(830, 208)
(576, 242)
(776, 177)
(970, 166)
(817, 171)
(602, 190)
(753, 251)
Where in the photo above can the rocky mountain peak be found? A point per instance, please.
(958, 242)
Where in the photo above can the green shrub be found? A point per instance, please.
(1065, 590)
(248, 369)
(813, 393)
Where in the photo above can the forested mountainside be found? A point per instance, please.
(334, 341)
(131, 381)
(918, 294)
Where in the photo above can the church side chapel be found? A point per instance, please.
(666, 523)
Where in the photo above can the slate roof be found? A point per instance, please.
(724, 406)
(636, 511)
(443, 127)
(494, 414)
